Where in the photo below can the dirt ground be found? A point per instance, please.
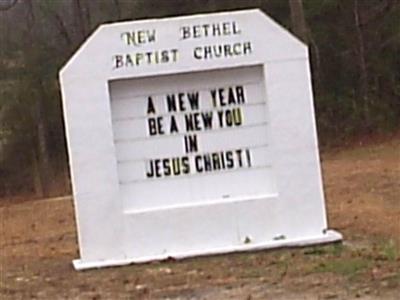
(362, 186)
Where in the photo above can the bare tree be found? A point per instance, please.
(302, 31)
(299, 25)
(7, 4)
(117, 7)
(363, 79)
(43, 156)
(80, 23)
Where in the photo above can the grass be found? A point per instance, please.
(348, 267)
(394, 280)
(335, 249)
(389, 251)
(344, 261)
(338, 259)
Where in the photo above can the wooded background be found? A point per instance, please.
(355, 56)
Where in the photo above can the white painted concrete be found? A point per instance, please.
(267, 194)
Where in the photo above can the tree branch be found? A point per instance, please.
(377, 11)
(7, 4)
(62, 28)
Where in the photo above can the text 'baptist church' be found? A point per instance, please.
(172, 55)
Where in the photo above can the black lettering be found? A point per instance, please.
(181, 102)
(215, 161)
(164, 56)
(171, 104)
(227, 50)
(141, 37)
(192, 122)
(207, 119)
(155, 55)
(235, 29)
(247, 48)
(176, 166)
(155, 126)
(239, 157)
(220, 118)
(222, 159)
(196, 31)
(248, 157)
(196, 117)
(185, 165)
(207, 162)
(189, 122)
(226, 28)
(150, 173)
(174, 55)
(138, 57)
(173, 126)
(160, 125)
(157, 166)
(221, 97)
(151, 35)
(129, 38)
(228, 118)
(193, 100)
(237, 116)
(214, 97)
(237, 47)
(148, 57)
(167, 167)
(216, 29)
(197, 160)
(217, 51)
(191, 144)
(118, 61)
(150, 106)
(197, 53)
(231, 96)
(128, 60)
(240, 94)
(207, 52)
(152, 126)
(205, 29)
(185, 32)
(229, 160)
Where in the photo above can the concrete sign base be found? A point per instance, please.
(329, 236)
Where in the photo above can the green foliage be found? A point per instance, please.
(335, 249)
(346, 267)
(389, 251)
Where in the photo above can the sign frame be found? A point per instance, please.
(109, 235)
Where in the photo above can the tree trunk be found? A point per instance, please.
(301, 30)
(63, 29)
(362, 65)
(88, 16)
(79, 20)
(7, 4)
(316, 65)
(67, 179)
(299, 25)
(38, 185)
(117, 6)
(44, 167)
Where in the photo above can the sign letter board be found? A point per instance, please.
(192, 136)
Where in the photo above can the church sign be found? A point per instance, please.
(192, 136)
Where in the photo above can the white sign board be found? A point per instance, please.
(191, 136)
